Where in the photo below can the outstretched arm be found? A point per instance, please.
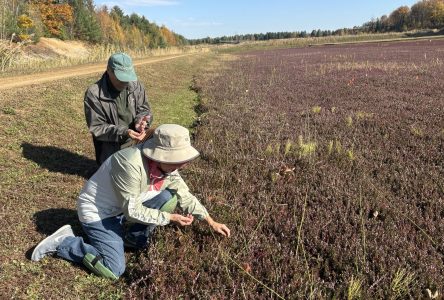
(191, 205)
(218, 227)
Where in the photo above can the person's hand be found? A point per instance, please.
(142, 124)
(219, 227)
(137, 136)
(182, 220)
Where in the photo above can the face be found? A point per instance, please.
(168, 168)
(118, 85)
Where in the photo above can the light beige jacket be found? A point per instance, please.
(120, 186)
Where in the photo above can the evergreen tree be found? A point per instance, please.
(85, 26)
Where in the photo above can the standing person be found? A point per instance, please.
(141, 183)
(116, 108)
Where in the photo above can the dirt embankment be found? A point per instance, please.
(24, 80)
(49, 48)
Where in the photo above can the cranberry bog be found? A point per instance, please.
(327, 163)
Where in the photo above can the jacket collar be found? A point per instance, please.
(104, 88)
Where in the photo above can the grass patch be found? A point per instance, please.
(319, 41)
(8, 111)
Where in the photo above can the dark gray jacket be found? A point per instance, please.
(102, 118)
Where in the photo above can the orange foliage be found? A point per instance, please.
(169, 36)
(399, 17)
(106, 23)
(112, 31)
(54, 16)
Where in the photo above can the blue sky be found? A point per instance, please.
(198, 18)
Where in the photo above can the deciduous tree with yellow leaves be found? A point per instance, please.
(55, 16)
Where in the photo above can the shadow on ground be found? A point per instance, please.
(59, 160)
(49, 220)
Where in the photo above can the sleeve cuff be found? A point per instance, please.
(202, 217)
(123, 133)
(167, 217)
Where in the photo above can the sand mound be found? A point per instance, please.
(51, 47)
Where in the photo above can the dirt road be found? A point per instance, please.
(38, 78)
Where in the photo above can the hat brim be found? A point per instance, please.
(162, 155)
(126, 76)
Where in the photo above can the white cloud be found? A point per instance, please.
(150, 2)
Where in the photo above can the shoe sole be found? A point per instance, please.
(45, 239)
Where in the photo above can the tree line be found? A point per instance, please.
(28, 20)
(425, 14)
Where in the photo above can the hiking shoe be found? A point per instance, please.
(49, 244)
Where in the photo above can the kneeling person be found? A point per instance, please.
(140, 184)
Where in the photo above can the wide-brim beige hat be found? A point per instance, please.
(170, 144)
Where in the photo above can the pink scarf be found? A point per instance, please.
(156, 177)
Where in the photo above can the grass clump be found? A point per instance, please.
(288, 147)
(330, 147)
(354, 289)
(316, 109)
(334, 147)
(269, 150)
(306, 149)
(416, 131)
(401, 283)
(349, 121)
(272, 149)
(362, 115)
(351, 154)
(8, 111)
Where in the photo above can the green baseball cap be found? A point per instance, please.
(122, 65)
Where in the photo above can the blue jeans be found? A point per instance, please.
(106, 238)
